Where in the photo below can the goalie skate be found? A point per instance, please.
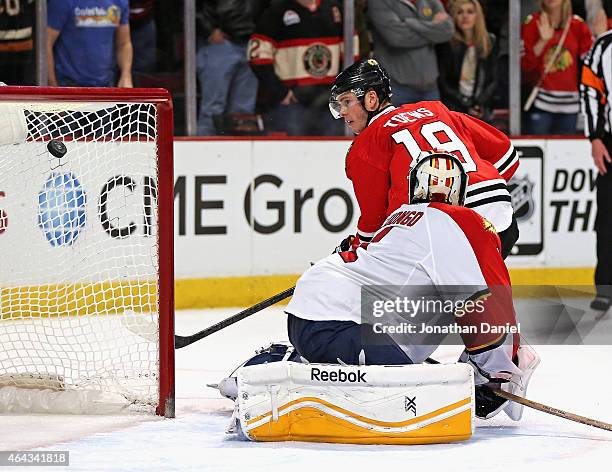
(275, 352)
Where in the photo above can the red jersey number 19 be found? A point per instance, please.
(428, 132)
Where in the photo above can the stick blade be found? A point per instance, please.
(181, 341)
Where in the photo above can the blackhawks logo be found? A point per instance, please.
(488, 225)
(563, 62)
(521, 190)
(318, 60)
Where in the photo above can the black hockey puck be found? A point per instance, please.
(57, 148)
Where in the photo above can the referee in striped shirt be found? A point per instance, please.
(595, 97)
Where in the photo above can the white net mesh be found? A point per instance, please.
(79, 254)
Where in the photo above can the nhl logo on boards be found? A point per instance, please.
(521, 190)
(318, 60)
(291, 18)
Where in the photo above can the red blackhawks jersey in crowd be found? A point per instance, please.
(299, 49)
(16, 26)
(378, 161)
(421, 245)
(559, 90)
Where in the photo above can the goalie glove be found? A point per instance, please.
(489, 374)
(487, 365)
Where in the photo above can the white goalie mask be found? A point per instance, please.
(437, 176)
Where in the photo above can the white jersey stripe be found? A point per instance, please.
(485, 183)
(384, 111)
(469, 201)
(506, 155)
(364, 235)
(498, 213)
(507, 159)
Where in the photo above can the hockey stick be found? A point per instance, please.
(552, 411)
(148, 329)
(182, 341)
(545, 408)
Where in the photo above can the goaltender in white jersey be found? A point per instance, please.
(364, 382)
(370, 306)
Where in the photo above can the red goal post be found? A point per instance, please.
(98, 227)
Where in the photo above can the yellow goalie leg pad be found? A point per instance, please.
(412, 404)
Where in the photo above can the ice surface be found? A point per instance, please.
(575, 378)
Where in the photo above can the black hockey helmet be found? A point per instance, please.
(359, 78)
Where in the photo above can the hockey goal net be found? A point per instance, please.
(86, 274)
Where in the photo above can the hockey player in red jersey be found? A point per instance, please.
(434, 242)
(389, 138)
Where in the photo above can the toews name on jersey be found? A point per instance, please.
(411, 116)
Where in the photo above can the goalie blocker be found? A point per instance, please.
(410, 404)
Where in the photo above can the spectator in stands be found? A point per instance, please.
(554, 41)
(83, 38)
(467, 62)
(361, 27)
(497, 20)
(143, 33)
(296, 52)
(16, 44)
(227, 83)
(592, 11)
(607, 6)
(405, 33)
